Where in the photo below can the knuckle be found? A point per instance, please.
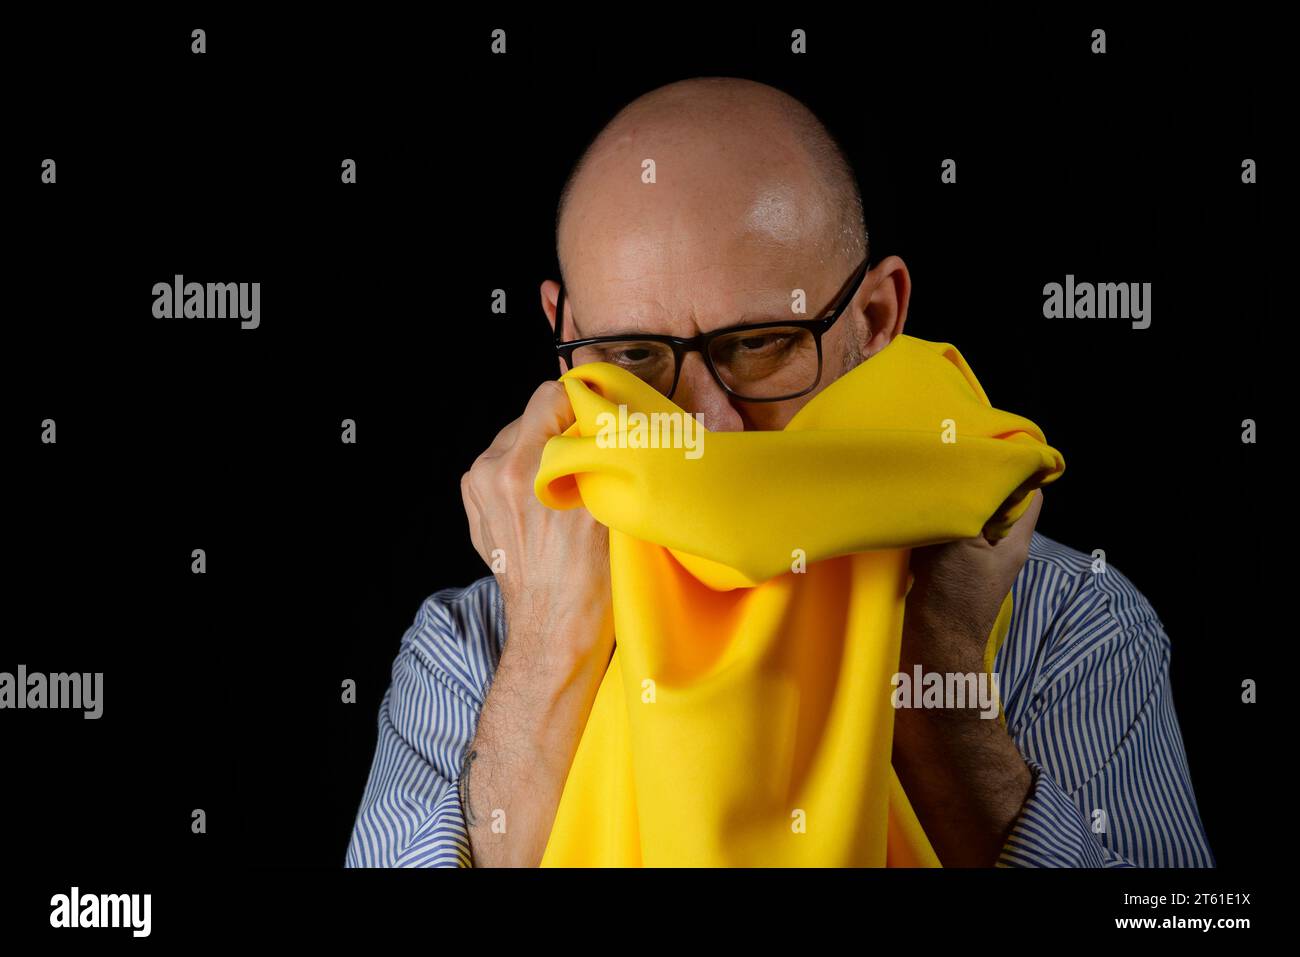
(478, 480)
(548, 389)
(516, 475)
(547, 395)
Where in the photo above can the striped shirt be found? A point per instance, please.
(1084, 674)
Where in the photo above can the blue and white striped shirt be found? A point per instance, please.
(1085, 683)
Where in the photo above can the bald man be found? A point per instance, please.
(492, 686)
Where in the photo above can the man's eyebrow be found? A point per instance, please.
(637, 326)
(640, 327)
(633, 330)
(751, 318)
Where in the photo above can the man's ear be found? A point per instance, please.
(550, 291)
(550, 294)
(888, 287)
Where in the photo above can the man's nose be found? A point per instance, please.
(698, 391)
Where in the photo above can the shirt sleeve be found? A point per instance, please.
(410, 813)
(1111, 786)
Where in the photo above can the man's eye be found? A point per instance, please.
(636, 356)
(760, 343)
(757, 346)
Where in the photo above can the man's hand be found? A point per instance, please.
(958, 588)
(963, 774)
(553, 569)
(552, 566)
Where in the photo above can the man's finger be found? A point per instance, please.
(471, 515)
(503, 441)
(548, 414)
(1025, 521)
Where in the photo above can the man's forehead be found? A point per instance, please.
(708, 294)
(716, 236)
(664, 196)
(779, 214)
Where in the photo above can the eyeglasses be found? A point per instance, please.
(759, 362)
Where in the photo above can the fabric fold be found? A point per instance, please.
(758, 584)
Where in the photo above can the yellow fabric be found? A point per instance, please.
(745, 718)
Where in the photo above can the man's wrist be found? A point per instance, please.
(950, 645)
(562, 635)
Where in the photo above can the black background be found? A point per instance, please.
(222, 691)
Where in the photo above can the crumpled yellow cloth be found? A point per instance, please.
(745, 718)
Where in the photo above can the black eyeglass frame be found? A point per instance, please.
(700, 343)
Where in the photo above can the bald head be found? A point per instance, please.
(746, 123)
(717, 202)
